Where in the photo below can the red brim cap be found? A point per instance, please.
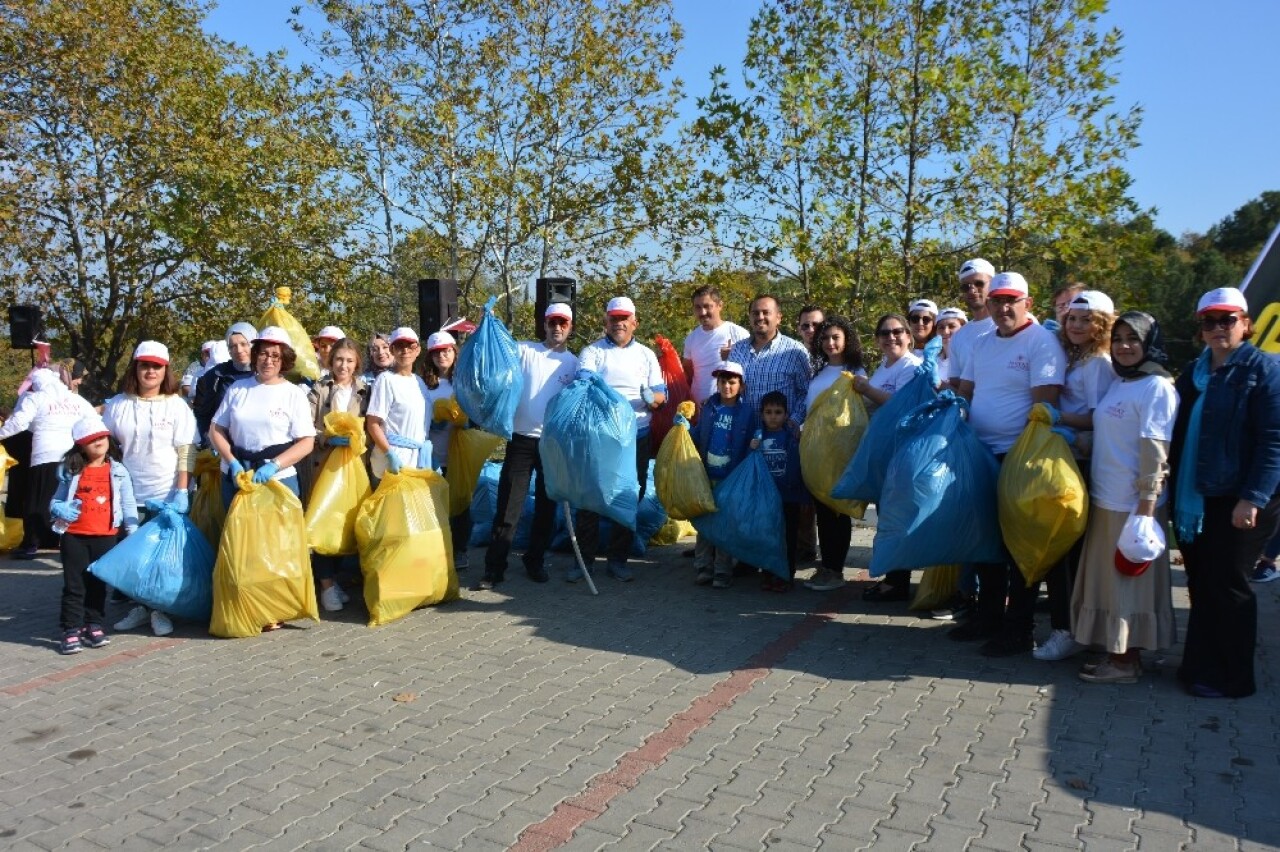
(89, 439)
(152, 359)
(1128, 567)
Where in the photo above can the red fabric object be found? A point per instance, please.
(94, 493)
(677, 390)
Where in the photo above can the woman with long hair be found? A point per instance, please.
(1226, 474)
(950, 320)
(922, 320)
(442, 359)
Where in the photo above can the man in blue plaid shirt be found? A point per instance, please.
(772, 361)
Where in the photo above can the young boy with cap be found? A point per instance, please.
(723, 436)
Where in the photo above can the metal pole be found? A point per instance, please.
(573, 539)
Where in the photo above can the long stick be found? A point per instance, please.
(573, 539)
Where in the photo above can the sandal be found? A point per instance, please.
(885, 593)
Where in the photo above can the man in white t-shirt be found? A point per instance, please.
(1009, 370)
(706, 346)
(547, 368)
(630, 368)
(975, 277)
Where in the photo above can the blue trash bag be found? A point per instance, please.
(863, 479)
(588, 450)
(484, 504)
(488, 380)
(166, 564)
(650, 517)
(939, 497)
(748, 518)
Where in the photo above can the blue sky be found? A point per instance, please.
(1199, 70)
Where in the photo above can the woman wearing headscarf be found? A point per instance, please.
(1115, 604)
(213, 383)
(49, 409)
(1226, 474)
(156, 432)
(379, 358)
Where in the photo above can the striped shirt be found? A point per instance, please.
(782, 364)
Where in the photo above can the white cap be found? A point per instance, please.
(1141, 541)
(952, 313)
(620, 306)
(923, 306)
(1008, 284)
(977, 266)
(731, 368)
(274, 334)
(560, 309)
(208, 345)
(1093, 300)
(403, 333)
(88, 429)
(150, 350)
(1223, 299)
(329, 332)
(440, 340)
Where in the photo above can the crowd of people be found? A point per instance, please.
(1201, 452)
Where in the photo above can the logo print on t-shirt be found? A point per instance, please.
(1020, 364)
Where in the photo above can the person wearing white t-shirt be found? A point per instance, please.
(1085, 334)
(631, 369)
(975, 278)
(442, 359)
(1019, 364)
(706, 345)
(397, 417)
(156, 432)
(950, 320)
(548, 367)
(1133, 426)
(264, 422)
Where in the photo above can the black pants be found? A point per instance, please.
(834, 532)
(620, 538)
(513, 485)
(791, 515)
(41, 486)
(1001, 581)
(1222, 632)
(19, 449)
(84, 596)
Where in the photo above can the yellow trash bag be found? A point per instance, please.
(12, 534)
(6, 461)
(406, 552)
(207, 511)
(678, 473)
(937, 587)
(1042, 500)
(307, 366)
(468, 451)
(340, 487)
(833, 428)
(672, 531)
(263, 572)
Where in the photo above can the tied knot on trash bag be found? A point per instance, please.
(449, 411)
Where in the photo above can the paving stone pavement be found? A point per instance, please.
(656, 715)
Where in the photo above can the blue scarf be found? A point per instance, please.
(1188, 511)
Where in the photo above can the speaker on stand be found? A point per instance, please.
(437, 304)
(548, 291)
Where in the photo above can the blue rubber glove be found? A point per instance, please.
(1066, 432)
(646, 393)
(264, 473)
(181, 502)
(1055, 416)
(338, 441)
(583, 375)
(65, 510)
(1052, 325)
(235, 468)
(155, 505)
(394, 464)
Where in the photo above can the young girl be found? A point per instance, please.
(94, 501)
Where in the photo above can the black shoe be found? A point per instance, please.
(537, 573)
(1007, 644)
(743, 569)
(27, 553)
(485, 584)
(886, 593)
(973, 630)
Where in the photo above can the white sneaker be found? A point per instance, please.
(1060, 645)
(331, 599)
(135, 618)
(160, 623)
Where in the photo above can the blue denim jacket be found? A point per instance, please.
(124, 506)
(1239, 452)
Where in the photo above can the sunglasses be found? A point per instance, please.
(972, 285)
(920, 319)
(557, 321)
(808, 325)
(886, 333)
(1210, 323)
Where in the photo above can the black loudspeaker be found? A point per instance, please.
(437, 304)
(24, 326)
(548, 291)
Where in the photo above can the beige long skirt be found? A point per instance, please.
(1111, 610)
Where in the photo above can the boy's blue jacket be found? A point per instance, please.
(124, 506)
(744, 427)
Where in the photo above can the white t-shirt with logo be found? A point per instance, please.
(257, 416)
(962, 343)
(1003, 371)
(1130, 411)
(546, 373)
(400, 402)
(149, 432)
(702, 349)
(626, 369)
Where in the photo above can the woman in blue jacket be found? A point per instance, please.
(1225, 456)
